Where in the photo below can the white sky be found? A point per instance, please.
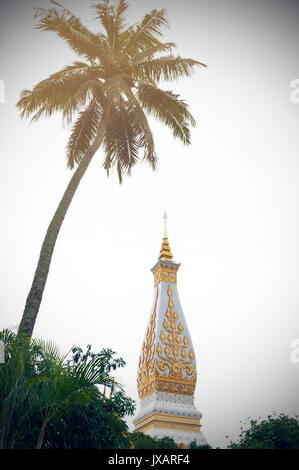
(232, 199)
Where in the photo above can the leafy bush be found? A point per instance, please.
(143, 441)
(275, 432)
(48, 400)
(194, 445)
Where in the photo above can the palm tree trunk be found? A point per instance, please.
(41, 436)
(40, 277)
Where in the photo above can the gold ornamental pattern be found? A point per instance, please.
(165, 273)
(172, 369)
(176, 370)
(147, 357)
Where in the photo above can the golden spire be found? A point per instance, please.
(165, 252)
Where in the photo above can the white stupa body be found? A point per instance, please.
(167, 373)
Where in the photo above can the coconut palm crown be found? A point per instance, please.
(106, 96)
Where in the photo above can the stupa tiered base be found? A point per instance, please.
(172, 415)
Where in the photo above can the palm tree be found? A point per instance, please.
(14, 374)
(36, 380)
(106, 96)
(60, 388)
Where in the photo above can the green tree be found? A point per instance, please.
(275, 432)
(16, 374)
(108, 95)
(49, 401)
(143, 441)
(194, 445)
(94, 426)
(59, 388)
(118, 401)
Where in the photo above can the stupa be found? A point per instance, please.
(167, 374)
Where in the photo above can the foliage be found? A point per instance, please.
(275, 432)
(93, 426)
(51, 401)
(120, 70)
(143, 441)
(118, 401)
(194, 445)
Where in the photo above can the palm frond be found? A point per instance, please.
(89, 90)
(120, 20)
(139, 37)
(165, 68)
(151, 25)
(70, 28)
(48, 349)
(140, 123)
(112, 19)
(145, 137)
(121, 141)
(83, 133)
(150, 52)
(168, 108)
(65, 91)
(8, 336)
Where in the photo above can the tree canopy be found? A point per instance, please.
(143, 441)
(274, 432)
(117, 78)
(52, 401)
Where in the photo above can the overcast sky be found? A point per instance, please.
(232, 199)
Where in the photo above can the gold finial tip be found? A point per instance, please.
(165, 225)
(165, 252)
